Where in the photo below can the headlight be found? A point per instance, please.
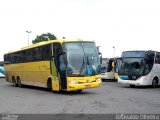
(99, 79)
(73, 82)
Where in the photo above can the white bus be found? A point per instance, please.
(140, 68)
(2, 69)
(112, 68)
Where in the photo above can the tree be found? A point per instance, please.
(44, 37)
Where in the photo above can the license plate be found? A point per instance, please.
(124, 77)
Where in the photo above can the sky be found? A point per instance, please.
(124, 24)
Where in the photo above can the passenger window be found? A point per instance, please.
(157, 60)
(38, 54)
(46, 52)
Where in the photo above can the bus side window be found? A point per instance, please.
(146, 69)
(157, 58)
(57, 53)
(46, 49)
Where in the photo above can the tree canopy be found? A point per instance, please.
(44, 37)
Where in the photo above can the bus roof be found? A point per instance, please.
(136, 53)
(140, 51)
(48, 42)
(114, 58)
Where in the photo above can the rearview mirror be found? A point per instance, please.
(100, 56)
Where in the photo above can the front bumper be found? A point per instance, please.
(108, 75)
(74, 87)
(138, 82)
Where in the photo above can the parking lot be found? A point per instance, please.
(109, 98)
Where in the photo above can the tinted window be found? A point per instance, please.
(30, 55)
(38, 51)
(46, 52)
(57, 52)
(157, 58)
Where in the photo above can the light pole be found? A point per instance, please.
(113, 51)
(28, 32)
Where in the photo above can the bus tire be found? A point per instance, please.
(19, 82)
(132, 86)
(14, 81)
(79, 91)
(49, 84)
(155, 82)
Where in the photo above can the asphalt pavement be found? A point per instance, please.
(110, 98)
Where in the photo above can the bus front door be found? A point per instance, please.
(55, 79)
(60, 65)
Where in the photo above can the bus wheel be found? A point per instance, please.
(49, 84)
(14, 82)
(79, 91)
(19, 82)
(155, 83)
(132, 86)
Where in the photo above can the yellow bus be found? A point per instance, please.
(60, 65)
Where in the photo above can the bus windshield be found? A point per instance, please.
(82, 58)
(132, 66)
(136, 64)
